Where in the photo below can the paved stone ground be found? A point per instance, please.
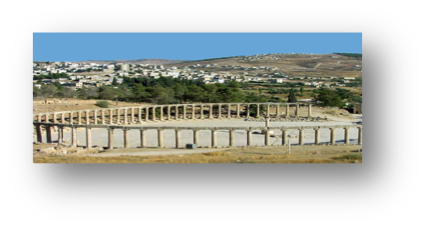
(100, 137)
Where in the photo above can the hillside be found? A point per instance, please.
(292, 64)
(134, 61)
(314, 65)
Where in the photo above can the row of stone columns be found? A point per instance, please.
(160, 138)
(122, 113)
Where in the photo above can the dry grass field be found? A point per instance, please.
(299, 154)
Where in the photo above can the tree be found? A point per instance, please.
(292, 97)
(343, 93)
(302, 91)
(36, 92)
(179, 92)
(162, 95)
(48, 90)
(114, 83)
(139, 93)
(88, 92)
(107, 93)
(327, 97)
(68, 92)
(233, 84)
(58, 85)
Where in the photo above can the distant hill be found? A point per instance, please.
(293, 64)
(135, 61)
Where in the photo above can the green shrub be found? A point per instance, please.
(102, 104)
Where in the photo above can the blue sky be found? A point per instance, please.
(185, 46)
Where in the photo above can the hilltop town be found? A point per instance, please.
(313, 70)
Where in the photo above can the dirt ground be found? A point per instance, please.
(70, 104)
(298, 154)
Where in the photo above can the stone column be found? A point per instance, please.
(118, 116)
(301, 136)
(297, 110)
(60, 134)
(231, 134)
(161, 113)
(249, 137)
(111, 116)
(196, 137)
(177, 138)
(309, 110)
(87, 117)
(125, 116)
(268, 110)
(210, 111)
(139, 114)
(102, 116)
(229, 111)
(213, 138)
(257, 110)
(95, 116)
(160, 138)
(287, 110)
(332, 136)
(193, 112)
(47, 117)
(153, 112)
(54, 117)
(79, 117)
(267, 137)
(39, 133)
(184, 110)
(347, 135)
(317, 136)
(48, 134)
(71, 119)
(34, 135)
(74, 136)
(219, 111)
(201, 112)
(126, 138)
(39, 118)
(176, 112)
(277, 110)
(88, 138)
(132, 114)
(284, 137)
(238, 111)
(110, 138)
(248, 113)
(143, 138)
(359, 139)
(63, 117)
(147, 112)
(169, 112)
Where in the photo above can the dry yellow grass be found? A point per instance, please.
(246, 155)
